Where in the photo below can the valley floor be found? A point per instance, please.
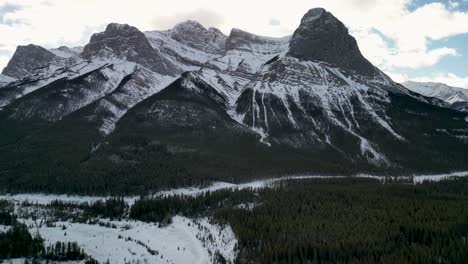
(184, 239)
(43, 199)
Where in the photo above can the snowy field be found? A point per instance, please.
(183, 241)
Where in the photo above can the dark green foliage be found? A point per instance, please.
(162, 209)
(6, 213)
(113, 208)
(62, 251)
(18, 242)
(348, 220)
(354, 221)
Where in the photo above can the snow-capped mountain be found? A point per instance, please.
(210, 106)
(457, 98)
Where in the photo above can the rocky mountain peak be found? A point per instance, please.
(115, 30)
(117, 38)
(322, 37)
(27, 59)
(125, 42)
(195, 35)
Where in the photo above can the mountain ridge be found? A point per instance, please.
(456, 98)
(156, 109)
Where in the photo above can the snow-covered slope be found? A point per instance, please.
(66, 52)
(4, 80)
(188, 45)
(149, 62)
(456, 98)
(442, 91)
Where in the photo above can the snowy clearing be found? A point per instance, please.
(183, 241)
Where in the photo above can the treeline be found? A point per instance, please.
(162, 209)
(112, 208)
(61, 251)
(334, 220)
(17, 242)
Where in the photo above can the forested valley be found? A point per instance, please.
(339, 220)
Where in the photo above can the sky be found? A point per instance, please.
(420, 40)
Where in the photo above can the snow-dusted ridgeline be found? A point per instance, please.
(441, 91)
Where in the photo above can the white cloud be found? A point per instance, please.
(4, 60)
(378, 51)
(57, 22)
(397, 77)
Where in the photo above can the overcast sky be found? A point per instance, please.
(408, 39)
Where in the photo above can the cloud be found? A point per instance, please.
(384, 55)
(206, 17)
(3, 61)
(274, 22)
(397, 77)
(6, 8)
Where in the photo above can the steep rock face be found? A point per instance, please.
(27, 59)
(322, 37)
(317, 108)
(125, 42)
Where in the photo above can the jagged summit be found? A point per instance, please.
(322, 37)
(189, 24)
(125, 42)
(195, 35)
(27, 59)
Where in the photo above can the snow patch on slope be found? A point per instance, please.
(142, 84)
(4, 80)
(333, 92)
(65, 52)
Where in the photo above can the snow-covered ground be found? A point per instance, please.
(194, 191)
(183, 241)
